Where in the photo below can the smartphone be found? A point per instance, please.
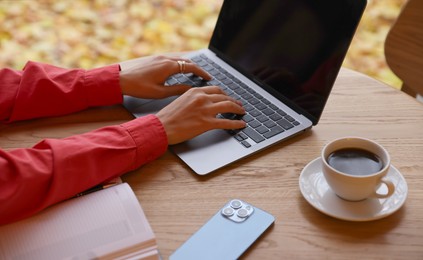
(227, 234)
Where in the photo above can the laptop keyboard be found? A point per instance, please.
(264, 119)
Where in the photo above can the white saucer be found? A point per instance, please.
(317, 192)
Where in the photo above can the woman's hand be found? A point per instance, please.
(146, 79)
(195, 112)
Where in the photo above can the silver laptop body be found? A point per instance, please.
(286, 53)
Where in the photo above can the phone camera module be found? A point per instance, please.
(243, 213)
(228, 212)
(237, 210)
(236, 204)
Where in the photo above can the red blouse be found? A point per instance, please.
(53, 170)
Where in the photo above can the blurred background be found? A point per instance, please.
(92, 33)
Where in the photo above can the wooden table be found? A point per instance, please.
(177, 202)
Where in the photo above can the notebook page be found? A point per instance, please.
(87, 227)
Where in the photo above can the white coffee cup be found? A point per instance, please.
(353, 174)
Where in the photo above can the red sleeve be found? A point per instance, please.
(54, 170)
(41, 90)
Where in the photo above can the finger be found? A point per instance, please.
(220, 123)
(223, 97)
(212, 90)
(191, 67)
(176, 58)
(227, 107)
(194, 68)
(217, 94)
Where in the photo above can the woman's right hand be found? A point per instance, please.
(194, 113)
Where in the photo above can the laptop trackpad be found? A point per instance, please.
(210, 151)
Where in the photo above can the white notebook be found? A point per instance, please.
(106, 224)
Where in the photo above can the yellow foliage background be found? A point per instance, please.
(92, 33)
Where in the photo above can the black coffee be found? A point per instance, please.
(355, 161)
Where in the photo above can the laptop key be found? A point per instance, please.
(196, 59)
(172, 81)
(248, 107)
(240, 91)
(233, 86)
(220, 77)
(213, 72)
(253, 134)
(254, 124)
(247, 96)
(273, 131)
(255, 113)
(186, 81)
(275, 117)
(246, 144)
(261, 106)
(262, 118)
(242, 135)
(239, 138)
(269, 124)
(265, 101)
(254, 101)
(281, 112)
(289, 118)
(257, 95)
(247, 118)
(213, 82)
(262, 129)
(267, 111)
(285, 124)
(272, 106)
(226, 81)
(208, 67)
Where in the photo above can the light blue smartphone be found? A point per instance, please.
(227, 234)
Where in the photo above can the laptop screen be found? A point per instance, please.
(294, 48)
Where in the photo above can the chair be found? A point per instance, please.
(404, 47)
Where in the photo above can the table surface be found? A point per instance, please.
(177, 202)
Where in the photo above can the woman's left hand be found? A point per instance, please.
(146, 79)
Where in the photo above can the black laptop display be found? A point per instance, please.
(294, 48)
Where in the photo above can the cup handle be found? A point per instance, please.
(389, 185)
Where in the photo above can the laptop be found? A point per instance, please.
(280, 58)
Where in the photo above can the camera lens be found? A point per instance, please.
(242, 213)
(228, 212)
(236, 204)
